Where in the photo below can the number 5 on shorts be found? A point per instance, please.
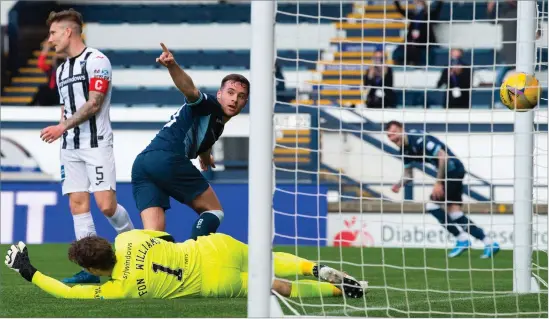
(98, 175)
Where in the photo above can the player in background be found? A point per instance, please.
(87, 159)
(147, 264)
(164, 168)
(418, 146)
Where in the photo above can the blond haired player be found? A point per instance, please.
(87, 159)
(148, 264)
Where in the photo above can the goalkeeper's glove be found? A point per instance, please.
(17, 259)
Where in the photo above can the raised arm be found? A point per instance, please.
(181, 79)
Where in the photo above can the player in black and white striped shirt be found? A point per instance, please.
(87, 159)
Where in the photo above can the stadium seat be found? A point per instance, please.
(203, 13)
(215, 59)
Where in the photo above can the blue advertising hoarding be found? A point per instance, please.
(36, 212)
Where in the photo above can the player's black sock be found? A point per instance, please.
(443, 219)
(207, 223)
(470, 227)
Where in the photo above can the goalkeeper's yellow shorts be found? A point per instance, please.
(224, 266)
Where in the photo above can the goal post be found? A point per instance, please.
(524, 151)
(260, 159)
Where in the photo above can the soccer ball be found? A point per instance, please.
(520, 92)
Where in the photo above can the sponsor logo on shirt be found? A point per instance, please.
(71, 80)
(102, 74)
(97, 293)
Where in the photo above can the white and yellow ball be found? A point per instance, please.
(520, 92)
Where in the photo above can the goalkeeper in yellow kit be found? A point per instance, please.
(148, 264)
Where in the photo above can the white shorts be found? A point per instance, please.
(88, 170)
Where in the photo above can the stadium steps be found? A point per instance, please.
(370, 25)
(376, 16)
(367, 27)
(30, 70)
(312, 102)
(381, 7)
(352, 82)
(364, 62)
(21, 89)
(346, 93)
(365, 55)
(41, 79)
(16, 100)
(293, 146)
(26, 82)
(342, 72)
(369, 40)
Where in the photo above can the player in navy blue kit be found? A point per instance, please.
(164, 169)
(418, 146)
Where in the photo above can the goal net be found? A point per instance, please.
(344, 69)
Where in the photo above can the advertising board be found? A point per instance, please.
(420, 230)
(36, 212)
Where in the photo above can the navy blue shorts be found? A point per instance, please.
(453, 187)
(158, 175)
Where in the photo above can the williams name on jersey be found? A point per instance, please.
(76, 77)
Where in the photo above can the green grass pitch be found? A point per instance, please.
(413, 283)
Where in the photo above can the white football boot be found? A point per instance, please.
(351, 287)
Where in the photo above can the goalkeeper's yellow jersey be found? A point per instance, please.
(147, 266)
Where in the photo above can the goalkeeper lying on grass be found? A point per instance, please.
(148, 264)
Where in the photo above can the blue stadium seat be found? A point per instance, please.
(204, 13)
(165, 13)
(216, 59)
(146, 97)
